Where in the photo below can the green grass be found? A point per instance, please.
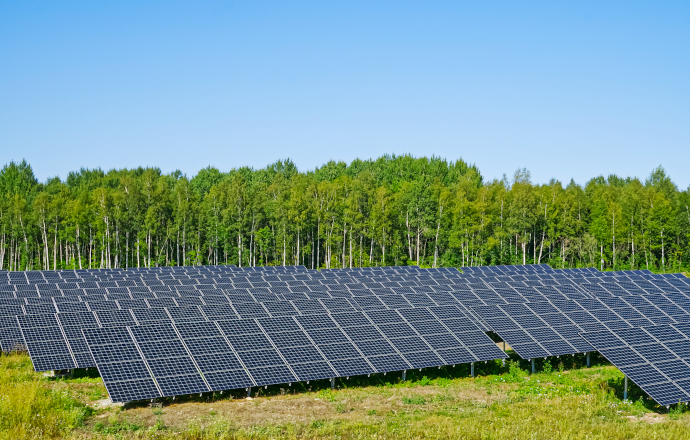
(559, 402)
(32, 407)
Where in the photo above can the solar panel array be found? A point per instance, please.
(195, 357)
(552, 328)
(656, 358)
(308, 325)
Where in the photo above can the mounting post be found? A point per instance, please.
(533, 367)
(332, 382)
(472, 369)
(625, 388)
(588, 361)
(404, 373)
(249, 392)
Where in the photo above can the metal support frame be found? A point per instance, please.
(249, 392)
(472, 369)
(404, 375)
(333, 383)
(625, 388)
(534, 370)
(589, 364)
(503, 361)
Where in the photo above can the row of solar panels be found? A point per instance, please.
(266, 281)
(226, 307)
(469, 295)
(553, 328)
(299, 283)
(196, 270)
(184, 357)
(358, 299)
(237, 308)
(656, 358)
(230, 271)
(65, 327)
(341, 278)
(479, 290)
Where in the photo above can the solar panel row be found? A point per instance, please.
(656, 358)
(195, 357)
(552, 328)
(538, 310)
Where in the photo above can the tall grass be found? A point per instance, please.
(554, 404)
(33, 408)
(502, 402)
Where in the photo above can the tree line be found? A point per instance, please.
(394, 210)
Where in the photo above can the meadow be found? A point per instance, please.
(563, 400)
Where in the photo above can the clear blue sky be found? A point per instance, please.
(566, 89)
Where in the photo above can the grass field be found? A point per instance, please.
(562, 401)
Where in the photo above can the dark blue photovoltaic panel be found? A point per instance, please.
(655, 358)
(279, 324)
(180, 385)
(126, 351)
(315, 321)
(352, 367)
(227, 380)
(376, 347)
(217, 361)
(327, 336)
(40, 332)
(449, 329)
(132, 390)
(296, 355)
(273, 375)
(313, 371)
(156, 349)
(423, 359)
(389, 362)
(409, 345)
(240, 327)
(261, 358)
(124, 372)
(453, 356)
(342, 351)
(363, 333)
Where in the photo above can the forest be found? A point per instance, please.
(394, 210)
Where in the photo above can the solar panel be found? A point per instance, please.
(45, 342)
(120, 364)
(652, 357)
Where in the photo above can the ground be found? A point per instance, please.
(563, 400)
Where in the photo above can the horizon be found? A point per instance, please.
(486, 179)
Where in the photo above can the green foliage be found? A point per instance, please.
(327, 395)
(515, 373)
(31, 409)
(500, 403)
(414, 400)
(393, 210)
(17, 179)
(423, 381)
(677, 410)
(116, 426)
